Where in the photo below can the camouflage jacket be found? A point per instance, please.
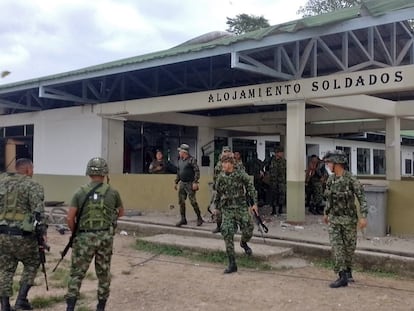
(277, 171)
(233, 189)
(340, 194)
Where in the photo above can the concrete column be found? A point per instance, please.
(10, 155)
(393, 148)
(295, 154)
(113, 144)
(206, 138)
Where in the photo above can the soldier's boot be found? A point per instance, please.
(101, 305)
(5, 303)
(349, 275)
(218, 227)
(199, 218)
(183, 220)
(232, 265)
(280, 211)
(246, 248)
(312, 209)
(70, 304)
(342, 281)
(22, 303)
(319, 209)
(273, 210)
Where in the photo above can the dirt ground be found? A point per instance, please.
(144, 282)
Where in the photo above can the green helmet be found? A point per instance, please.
(97, 167)
(336, 156)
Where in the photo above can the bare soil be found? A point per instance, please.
(144, 282)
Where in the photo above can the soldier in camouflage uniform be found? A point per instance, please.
(186, 181)
(277, 181)
(313, 185)
(341, 215)
(233, 186)
(217, 172)
(100, 207)
(21, 204)
(255, 167)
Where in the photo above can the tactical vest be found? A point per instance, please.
(10, 212)
(96, 215)
(186, 170)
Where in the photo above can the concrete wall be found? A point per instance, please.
(156, 193)
(138, 191)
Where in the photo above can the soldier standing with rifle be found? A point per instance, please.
(341, 215)
(21, 206)
(92, 218)
(233, 187)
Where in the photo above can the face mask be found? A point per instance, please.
(328, 169)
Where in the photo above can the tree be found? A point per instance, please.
(316, 7)
(243, 23)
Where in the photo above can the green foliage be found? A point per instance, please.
(316, 7)
(45, 302)
(203, 256)
(243, 23)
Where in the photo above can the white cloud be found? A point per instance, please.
(42, 37)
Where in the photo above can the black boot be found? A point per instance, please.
(183, 220)
(70, 304)
(313, 210)
(349, 275)
(273, 210)
(218, 228)
(342, 281)
(246, 248)
(280, 211)
(232, 265)
(199, 218)
(21, 301)
(101, 305)
(5, 303)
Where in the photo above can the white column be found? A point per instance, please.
(393, 148)
(295, 153)
(206, 136)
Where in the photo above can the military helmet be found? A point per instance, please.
(97, 167)
(336, 156)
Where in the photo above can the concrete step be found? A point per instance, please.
(264, 251)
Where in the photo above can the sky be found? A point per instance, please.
(44, 37)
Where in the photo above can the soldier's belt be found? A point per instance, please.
(11, 231)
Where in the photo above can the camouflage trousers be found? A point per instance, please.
(184, 190)
(343, 237)
(14, 249)
(314, 193)
(277, 194)
(86, 246)
(233, 218)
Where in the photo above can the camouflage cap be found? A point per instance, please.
(226, 149)
(227, 158)
(279, 149)
(335, 156)
(184, 147)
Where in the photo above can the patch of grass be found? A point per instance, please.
(46, 302)
(61, 278)
(204, 256)
(84, 308)
(90, 276)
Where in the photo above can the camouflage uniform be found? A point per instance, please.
(232, 189)
(277, 183)
(188, 173)
(21, 203)
(94, 238)
(255, 168)
(342, 213)
(313, 186)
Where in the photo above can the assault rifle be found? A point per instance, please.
(40, 230)
(211, 204)
(261, 227)
(75, 229)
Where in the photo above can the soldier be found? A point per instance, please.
(233, 185)
(341, 215)
(188, 174)
(94, 210)
(21, 205)
(315, 173)
(238, 162)
(161, 166)
(255, 167)
(277, 181)
(217, 171)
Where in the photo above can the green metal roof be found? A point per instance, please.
(370, 7)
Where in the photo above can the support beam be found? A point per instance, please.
(393, 149)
